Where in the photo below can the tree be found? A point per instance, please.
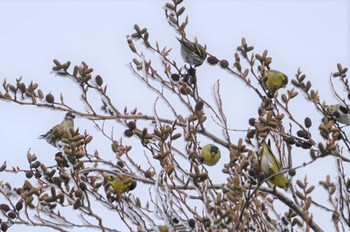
(182, 190)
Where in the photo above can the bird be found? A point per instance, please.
(270, 165)
(59, 131)
(121, 183)
(275, 80)
(192, 52)
(340, 113)
(210, 155)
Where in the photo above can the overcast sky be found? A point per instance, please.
(312, 35)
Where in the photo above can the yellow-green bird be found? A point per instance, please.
(340, 113)
(275, 80)
(121, 183)
(210, 155)
(59, 131)
(192, 52)
(271, 165)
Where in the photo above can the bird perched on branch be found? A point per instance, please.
(192, 52)
(121, 183)
(340, 113)
(210, 155)
(59, 131)
(270, 165)
(275, 80)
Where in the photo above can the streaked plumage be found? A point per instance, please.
(192, 52)
(271, 165)
(59, 131)
(275, 80)
(210, 154)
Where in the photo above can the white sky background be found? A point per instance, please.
(312, 35)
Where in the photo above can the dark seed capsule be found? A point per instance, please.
(307, 122)
(128, 133)
(175, 220)
(78, 193)
(5, 207)
(306, 145)
(19, 205)
(301, 133)
(83, 186)
(29, 174)
(99, 80)
(292, 172)
(120, 163)
(132, 125)
(252, 121)
(192, 223)
(148, 174)
(289, 140)
(199, 105)
(212, 60)
(77, 204)
(192, 72)
(11, 215)
(185, 90)
(50, 98)
(4, 226)
(223, 63)
(175, 77)
(22, 87)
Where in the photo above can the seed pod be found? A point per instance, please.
(29, 174)
(252, 121)
(50, 98)
(199, 105)
(128, 133)
(307, 122)
(301, 133)
(148, 174)
(5, 207)
(11, 215)
(192, 72)
(19, 205)
(185, 91)
(77, 204)
(175, 77)
(292, 172)
(4, 226)
(212, 60)
(132, 125)
(224, 64)
(192, 223)
(289, 140)
(22, 87)
(57, 63)
(83, 186)
(78, 193)
(99, 80)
